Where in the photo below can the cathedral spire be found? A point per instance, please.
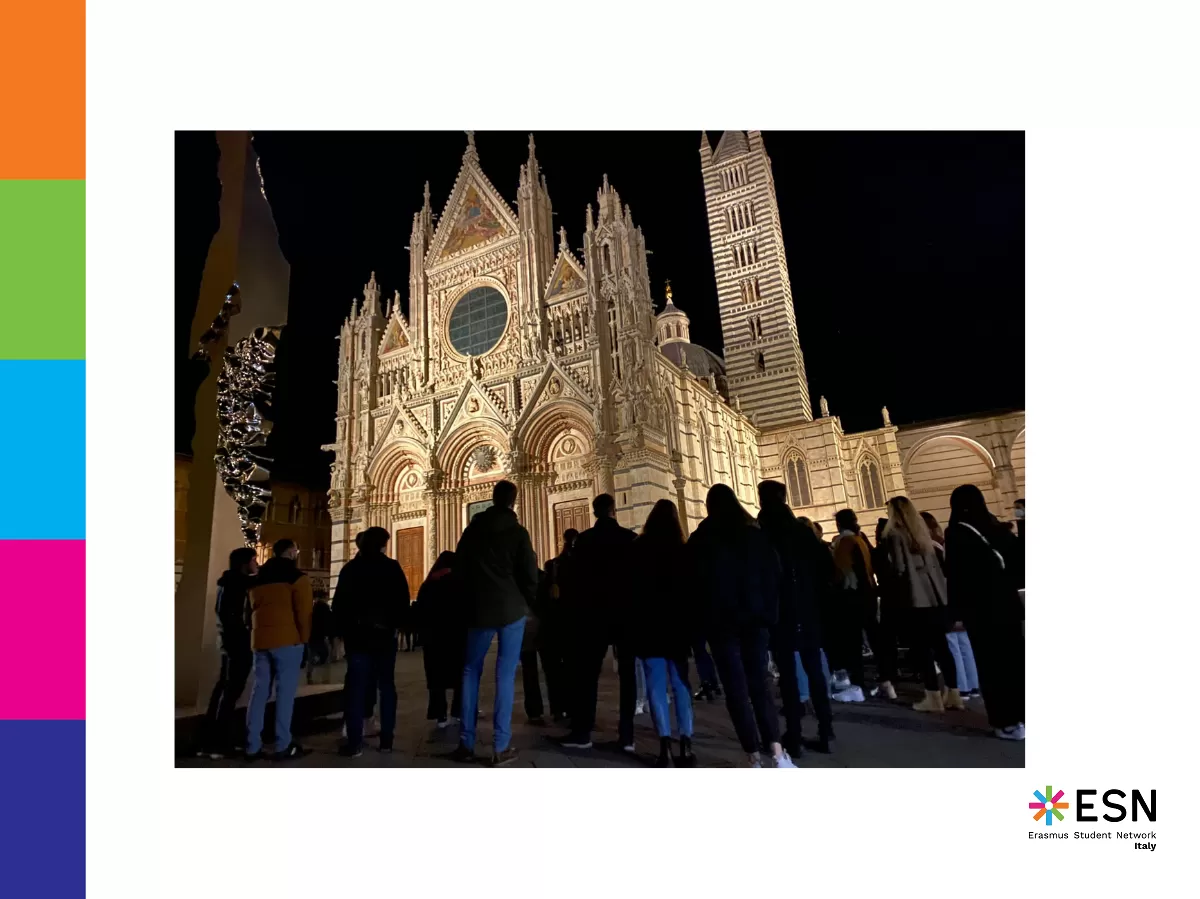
(562, 240)
(426, 207)
(471, 153)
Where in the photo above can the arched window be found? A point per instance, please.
(872, 484)
(733, 465)
(761, 362)
(796, 473)
(704, 457)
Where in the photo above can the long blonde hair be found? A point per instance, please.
(906, 521)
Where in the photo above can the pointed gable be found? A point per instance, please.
(474, 216)
(567, 276)
(477, 223)
(395, 337)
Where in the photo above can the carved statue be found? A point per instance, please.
(887, 419)
(824, 407)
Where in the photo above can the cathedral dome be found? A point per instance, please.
(674, 341)
(672, 323)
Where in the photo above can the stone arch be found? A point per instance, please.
(392, 469)
(938, 464)
(543, 437)
(456, 448)
(1016, 455)
(961, 438)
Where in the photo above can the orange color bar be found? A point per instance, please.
(42, 89)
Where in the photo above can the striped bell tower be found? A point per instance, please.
(763, 360)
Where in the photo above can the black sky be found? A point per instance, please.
(906, 253)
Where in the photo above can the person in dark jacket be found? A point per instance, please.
(498, 572)
(597, 608)
(321, 639)
(443, 625)
(660, 626)
(736, 581)
(555, 642)
(369, 607)
(233, 591)
(981, 555)
(805, 570)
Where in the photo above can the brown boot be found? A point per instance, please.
(952, 699)
(931, 703)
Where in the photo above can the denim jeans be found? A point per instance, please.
(479, 640)
(801, 677)
(282, 666)
(964, 660)
(640, 674)
(656, 672)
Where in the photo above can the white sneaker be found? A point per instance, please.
(1016, 732)
(841, 681)
(756, 762)
(849, 694)
(640, 709)
(784, 761)
(447, 722)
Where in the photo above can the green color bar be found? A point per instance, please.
(42, 269)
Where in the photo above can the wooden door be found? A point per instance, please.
(575, 514)
(410, 553)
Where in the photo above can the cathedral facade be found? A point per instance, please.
(520, 359)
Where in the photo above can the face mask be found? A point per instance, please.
(1020, 513)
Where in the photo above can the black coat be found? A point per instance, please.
(980, 589)
(497, 569)
(806, 569)
(371, 601)
(444, 630)
(735, 577)
(597, 583)
(661, 622)
(233, 591)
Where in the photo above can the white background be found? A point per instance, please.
(1110, 367)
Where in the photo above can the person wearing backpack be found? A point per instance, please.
(981, 558)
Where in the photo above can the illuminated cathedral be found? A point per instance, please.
(521, 359)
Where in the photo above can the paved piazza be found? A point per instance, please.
(871, 734)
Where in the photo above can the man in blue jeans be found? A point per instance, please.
(497, 571)
(281, 605)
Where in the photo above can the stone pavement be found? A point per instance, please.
(876, 733)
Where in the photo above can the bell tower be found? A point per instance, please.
(763, 360)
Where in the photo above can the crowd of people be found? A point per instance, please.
(751, 601)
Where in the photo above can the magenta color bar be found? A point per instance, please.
(42, 667)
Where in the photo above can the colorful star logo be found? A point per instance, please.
(1048, 805)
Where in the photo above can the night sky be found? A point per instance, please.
(906, 253)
